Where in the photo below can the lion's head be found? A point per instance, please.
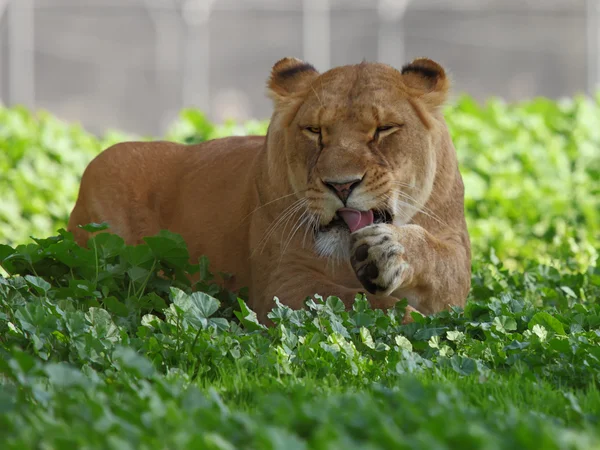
(360, 142)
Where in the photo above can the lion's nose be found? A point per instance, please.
(342, 189)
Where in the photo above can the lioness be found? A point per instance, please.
(355, 187)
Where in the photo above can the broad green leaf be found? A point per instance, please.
(335, 305)
(41, 286)
(5, 251)
(463, 365)
(102, 324)
(504, 324)
(107, 245)
(169, 247)
(403, 343)
(367, 339)
(204, 304)
(548, 321)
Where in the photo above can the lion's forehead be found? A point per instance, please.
(368, 107)
(364, 99)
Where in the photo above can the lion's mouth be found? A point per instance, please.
(353, 220)
(383, 216)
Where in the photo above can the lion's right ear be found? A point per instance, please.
(427, 80)
(290, 76)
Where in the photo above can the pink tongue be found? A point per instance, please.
(356, 219)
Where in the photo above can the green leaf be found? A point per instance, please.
(115, 306)
(547, 321)
(219, 323)
(424, 334)
(41, 286)
(152, 301)
(335, 305)
(128, 359)
(517, 345)
(567, 290)
(107, 245)
(455, 336)
(5, 251)
(63, 375)
(463, 365)
(102, 324)
(204, 304)
(169, 247)
(248, 318)
(180, 298)
(138, 274)
(504, 324)
(403, 343)
(366, 338)
(94, 227)
(138, 256)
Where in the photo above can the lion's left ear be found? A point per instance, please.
(427, 80)
(290, 76)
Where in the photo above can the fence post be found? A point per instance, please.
(316, 37)
(593, 46)
(21, 56)
(390, 45)
(196, 57)
(3, 5)
(168, 53)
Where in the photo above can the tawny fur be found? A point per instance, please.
(255, 205)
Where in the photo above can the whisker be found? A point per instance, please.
(303, 218)
(273, 201)
(290, 216)
(408, 186)
(401, 212)
(286, 219)
(421, 208)
(421, 211)
(417, 205)
(285, 214)
(309, 226)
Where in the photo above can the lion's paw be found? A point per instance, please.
(378, 258)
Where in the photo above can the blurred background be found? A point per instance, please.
(133, 64)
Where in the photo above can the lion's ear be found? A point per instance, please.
(290, 76)
(427, 80)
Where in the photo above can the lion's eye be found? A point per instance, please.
(385, 130)
(313, 130)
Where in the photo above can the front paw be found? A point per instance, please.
(378, 258)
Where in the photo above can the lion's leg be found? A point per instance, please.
(410, 262)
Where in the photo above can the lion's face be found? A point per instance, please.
(360, 149)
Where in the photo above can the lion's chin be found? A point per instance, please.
(333, 242)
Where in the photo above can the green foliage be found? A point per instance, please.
(97, 340)
(41, 162)
(531, 175)
(114, 347)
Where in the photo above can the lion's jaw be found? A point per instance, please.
(359, 125)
